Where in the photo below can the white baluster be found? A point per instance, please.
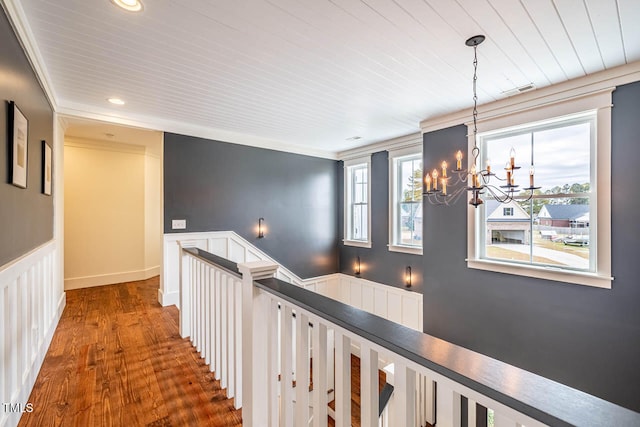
(286, 368)
(368, 385)
(429, 400)
(238, 324)
(501, 420)
(471, 413)
(194, 299)
(302, 369)
(343, 380)
(231, 336)
(201, 314)
(224, 331)
(206, 302)
(448, 405)
(212, 331)
(218, 328)
(196, 306)
(185, 296)
(273, 367)
(405, 394)
(319, 352)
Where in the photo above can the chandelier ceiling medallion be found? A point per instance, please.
(476, 180)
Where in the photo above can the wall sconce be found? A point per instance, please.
(260, 228)
(357, 269)
(407, 276)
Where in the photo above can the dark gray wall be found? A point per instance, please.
(220, 186)
(26, 215)
(585, 337)
(378, 263)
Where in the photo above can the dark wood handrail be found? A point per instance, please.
(540, 398)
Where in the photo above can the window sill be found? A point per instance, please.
(357, 243)
(406, 249)
(548, 273)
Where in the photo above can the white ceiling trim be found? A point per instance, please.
(405, 141)
(20, 25)
(560, 92)
(153, 123)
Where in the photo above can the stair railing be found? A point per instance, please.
(434, 381)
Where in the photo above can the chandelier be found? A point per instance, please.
(476, 180)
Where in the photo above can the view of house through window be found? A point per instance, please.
(553, 228)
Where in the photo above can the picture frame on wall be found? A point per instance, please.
(47, 171)
(18, 145)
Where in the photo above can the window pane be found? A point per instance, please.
(357, 195)
(358, 227)
(410, 179)
(508, 231)
(561, 233)
(411, 223)
(552, 228)
(562, 159)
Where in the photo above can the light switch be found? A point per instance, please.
(178, 224)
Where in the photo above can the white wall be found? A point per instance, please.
(112, 212)
(392, 303)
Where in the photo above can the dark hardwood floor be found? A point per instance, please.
(117, 359)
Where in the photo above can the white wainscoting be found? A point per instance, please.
(395, 304)
(31, 302)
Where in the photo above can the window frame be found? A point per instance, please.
(349, 166)
(394, 156)
(544, 110)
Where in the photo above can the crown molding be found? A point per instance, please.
(404, 141)
(163, 125)
(571, 89)
(21, 27)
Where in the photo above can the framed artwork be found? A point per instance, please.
(47, 172)
(18, 144)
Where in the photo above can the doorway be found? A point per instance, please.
(112, 203)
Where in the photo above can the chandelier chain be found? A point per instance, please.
(475, 93)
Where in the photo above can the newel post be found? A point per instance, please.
(255, 311)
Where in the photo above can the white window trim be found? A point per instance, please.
(545, 110)
(393, 155)
(347, 164)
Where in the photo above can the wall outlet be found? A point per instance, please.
(178, 224)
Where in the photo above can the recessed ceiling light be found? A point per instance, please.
(116, 101)
(130, 5)
(353, 138)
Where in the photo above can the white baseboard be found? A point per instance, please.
(109, 279)
(169, 298)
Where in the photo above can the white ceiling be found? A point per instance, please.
(313, 73)
(109, 132)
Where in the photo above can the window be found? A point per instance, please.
(405, 200)
(357, 211)
(551, 236)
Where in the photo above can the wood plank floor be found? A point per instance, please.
(117, 359)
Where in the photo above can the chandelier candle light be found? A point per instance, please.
(476, 180)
